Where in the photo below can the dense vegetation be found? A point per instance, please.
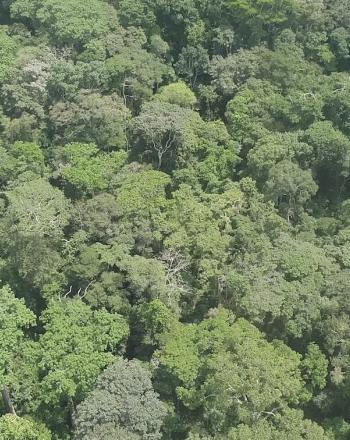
(175, 219)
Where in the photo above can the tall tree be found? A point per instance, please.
(123, 398)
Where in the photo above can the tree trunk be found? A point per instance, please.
(160, 157)
(7, 400)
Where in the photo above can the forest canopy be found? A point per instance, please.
(174, 219)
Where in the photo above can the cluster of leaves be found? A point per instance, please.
(174, 219)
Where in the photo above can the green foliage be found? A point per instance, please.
(174, 188)
(37, 209)
(208, 156)
(193, 63)
(135, 72)
(177, 93)
(96, 217)
(110, 431)
(142, 193)
(268, 12)
(68, 22)
(137, 14)
(7, 55)
(92, 118)
(22, 161)
(29, 157)
(15, 319)
(157, 319)
(228, 372)
(315, 365)
(332, 151)
(123, 397)
(161, 128)
(249, 112)
(290, 187)
(88, 171)
(77, 344)
(289, 426)
(274, 148)
(17, 428)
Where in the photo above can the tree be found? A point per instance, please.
(208, 156)
(177, 93)
(77, 345)
(65, 78)
(97, 217)
(87, 170)
(111, 431)
(7, 55)
(332, 154)
(141, 196)
(24, 98)
(21, 162)
(337, 101)
(29, 158)
(138, 14)
(161, 127)
(37, 209)
(68, 22)
(224, 40)
(290, 187)
(32, 232)
(260, 16)
(227, 373)
(147, 280)
(229, 73)
(285, 75)
(142, 193)
(18, 428)
(193, 63)
(270, 12)
(315, 366)
(136, 73)
(250, 114)
(91, 118)
(274, 148)
(123, 397)
(290, 425)
(176, 20)
(15, 319)
(157, 319)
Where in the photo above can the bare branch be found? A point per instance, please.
(68, 293)
(81, 296)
